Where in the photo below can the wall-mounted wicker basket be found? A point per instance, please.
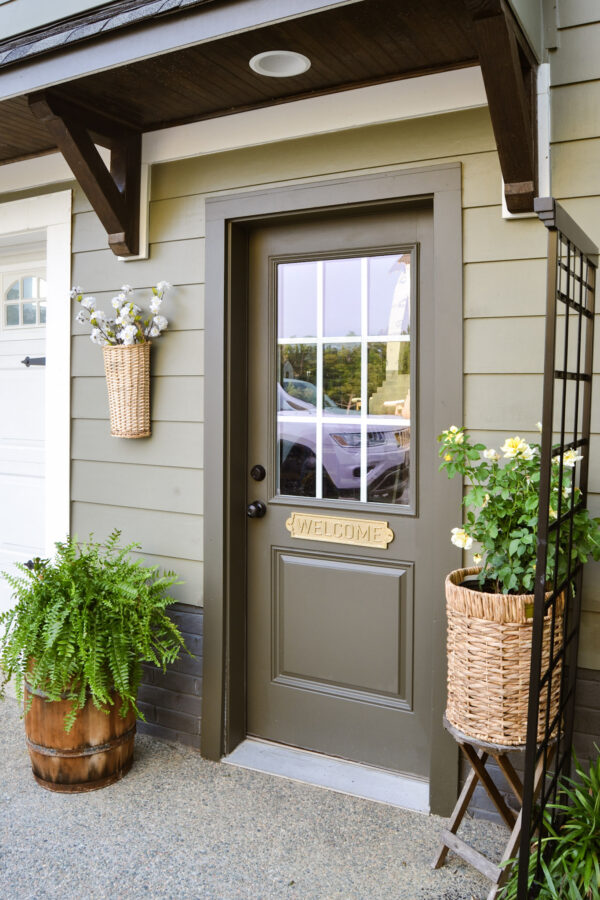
(127, 371)
(489, 659)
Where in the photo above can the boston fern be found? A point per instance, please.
(83, 624)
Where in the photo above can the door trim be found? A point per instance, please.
(228, 219)
(50, 214)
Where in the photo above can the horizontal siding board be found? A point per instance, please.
(177, 219)
(586, 212)
(178, 444)
(503, 346)
(189, 571)
(88, 232)
(172, 399)
(166, 489)
(487, 236)
(575, 170)
(481, 179)
(575, 111)
(589, 641)
(170, 220)
(591, 577)
(577, 58)
(176, 535)
(183, 306)
(507, 402)
(176, 353)
(429, 138)
(579, 12)
(180, 262)
(505, 289)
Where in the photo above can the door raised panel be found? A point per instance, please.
(343, 627)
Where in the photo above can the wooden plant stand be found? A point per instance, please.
(477, 753)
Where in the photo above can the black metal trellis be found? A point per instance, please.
(565, 427)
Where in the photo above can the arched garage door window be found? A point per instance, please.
(24, 302)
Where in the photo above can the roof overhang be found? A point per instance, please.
(152, 73)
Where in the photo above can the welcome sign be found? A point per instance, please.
(340, 530)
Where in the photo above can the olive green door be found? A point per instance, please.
(341, 458)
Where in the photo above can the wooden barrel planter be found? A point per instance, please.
(95, 753)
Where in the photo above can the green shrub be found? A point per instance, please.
(83, 624)
(570, 860)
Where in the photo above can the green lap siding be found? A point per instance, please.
(504, 297)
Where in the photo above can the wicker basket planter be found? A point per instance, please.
(127, 371)
(489, 656)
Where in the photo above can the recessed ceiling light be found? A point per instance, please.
(279, 63)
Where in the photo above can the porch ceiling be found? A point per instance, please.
(350, 46)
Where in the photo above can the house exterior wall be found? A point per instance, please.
(152, 490)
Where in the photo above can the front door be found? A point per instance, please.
(341, 587)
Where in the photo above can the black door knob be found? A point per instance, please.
(258, 473)
(256, 510)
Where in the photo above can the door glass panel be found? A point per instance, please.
(341, 297)
(343, 407)
(13, 291)
(297, 292)
(42, 313)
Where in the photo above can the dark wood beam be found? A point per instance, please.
(509, 74)
(115, 193)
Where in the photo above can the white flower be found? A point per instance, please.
(460, 538)
(128, 334)
(477, 557)
(97, 337)
(160, 322)
(154, 331)
(97, 317)
(126, 289)
(491, 454)
(162, 286)
(116, 302)
(124, 319)
(486, 500)
(570, 458)
(453, 435)
(81, 317)
(516, 447)
(88, 302)
(539, 426)
(75, 292)
(155, 304)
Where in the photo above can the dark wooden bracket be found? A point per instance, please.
(509, 73)
(115, 193)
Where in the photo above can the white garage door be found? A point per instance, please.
(22, 420)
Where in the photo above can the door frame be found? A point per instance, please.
(228, 219)
(50, 215)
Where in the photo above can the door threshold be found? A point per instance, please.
(367, 782)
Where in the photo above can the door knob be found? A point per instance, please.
(258, 473)
(256, 510)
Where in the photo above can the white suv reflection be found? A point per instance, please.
(388, 447)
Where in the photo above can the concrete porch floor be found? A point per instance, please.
(181, 828)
